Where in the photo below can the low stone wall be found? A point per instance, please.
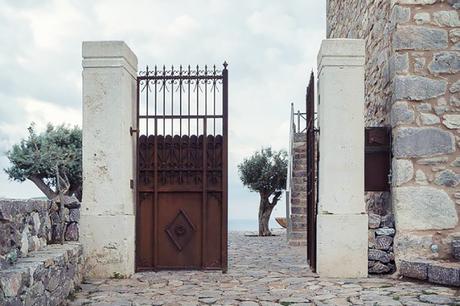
(33, 271)
(29, 225)
(45, 277)
(433, 271)
(25, 226)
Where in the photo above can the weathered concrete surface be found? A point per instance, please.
(107, 217)
(262, 271)
(342, 218)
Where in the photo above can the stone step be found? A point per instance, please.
(433, 271)
(299, 173)
(300, 186)
(301, 202)
(299, 180)
(300, 156)
(298, 218)
(299, 210)
(301, 162)
(300, 137)
(298, 235)
(297, 243)
(299, 148)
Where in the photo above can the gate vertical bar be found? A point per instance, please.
(205, 180)
(172, 102)
(155, 170)
(136, 258)
(225, 168)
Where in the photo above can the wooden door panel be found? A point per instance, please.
(179, 230)
(144, 231)
(213, 234)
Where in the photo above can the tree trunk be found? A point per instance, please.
(265, 210)
(50, 194)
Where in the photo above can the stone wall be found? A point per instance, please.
(45, 277)
(371, 21)
(25, 226)
(29, 225)
(426, 122)
(32, 270)
(412, 83)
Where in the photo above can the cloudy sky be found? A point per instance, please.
(270, 45)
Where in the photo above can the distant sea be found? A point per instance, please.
(248, 224)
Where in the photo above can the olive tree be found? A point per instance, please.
(265, 172)
(45, 157)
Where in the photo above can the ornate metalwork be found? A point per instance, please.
(181, 230)
(182, 163)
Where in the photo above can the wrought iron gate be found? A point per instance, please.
(312, 177)
(181, 216)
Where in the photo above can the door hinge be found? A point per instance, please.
(390, 178)
(131, 184)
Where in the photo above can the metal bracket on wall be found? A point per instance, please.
(377, 162)
(132, 131)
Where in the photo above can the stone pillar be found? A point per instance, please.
(342, 220)
(109, 110)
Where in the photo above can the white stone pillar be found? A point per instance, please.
(342, 228)
(109, 110)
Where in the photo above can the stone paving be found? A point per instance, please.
(262, 271)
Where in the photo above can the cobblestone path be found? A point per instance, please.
(262, 271)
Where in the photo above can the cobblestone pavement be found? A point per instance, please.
(262, 271)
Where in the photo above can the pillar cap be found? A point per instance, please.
(98, 54)
(341, 51)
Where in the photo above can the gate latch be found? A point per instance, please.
(132, 131)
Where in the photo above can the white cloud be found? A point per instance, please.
(271, 47)
(42, 112)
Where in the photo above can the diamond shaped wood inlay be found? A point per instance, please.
(180, 230)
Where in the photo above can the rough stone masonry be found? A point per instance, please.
(33, 272)
(413, 85)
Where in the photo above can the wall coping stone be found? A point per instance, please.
(433, 271)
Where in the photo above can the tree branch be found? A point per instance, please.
(50, 194)
(276, 197)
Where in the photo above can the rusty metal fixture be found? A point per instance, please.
(312, 174)
(182, 151)
(377, 161)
